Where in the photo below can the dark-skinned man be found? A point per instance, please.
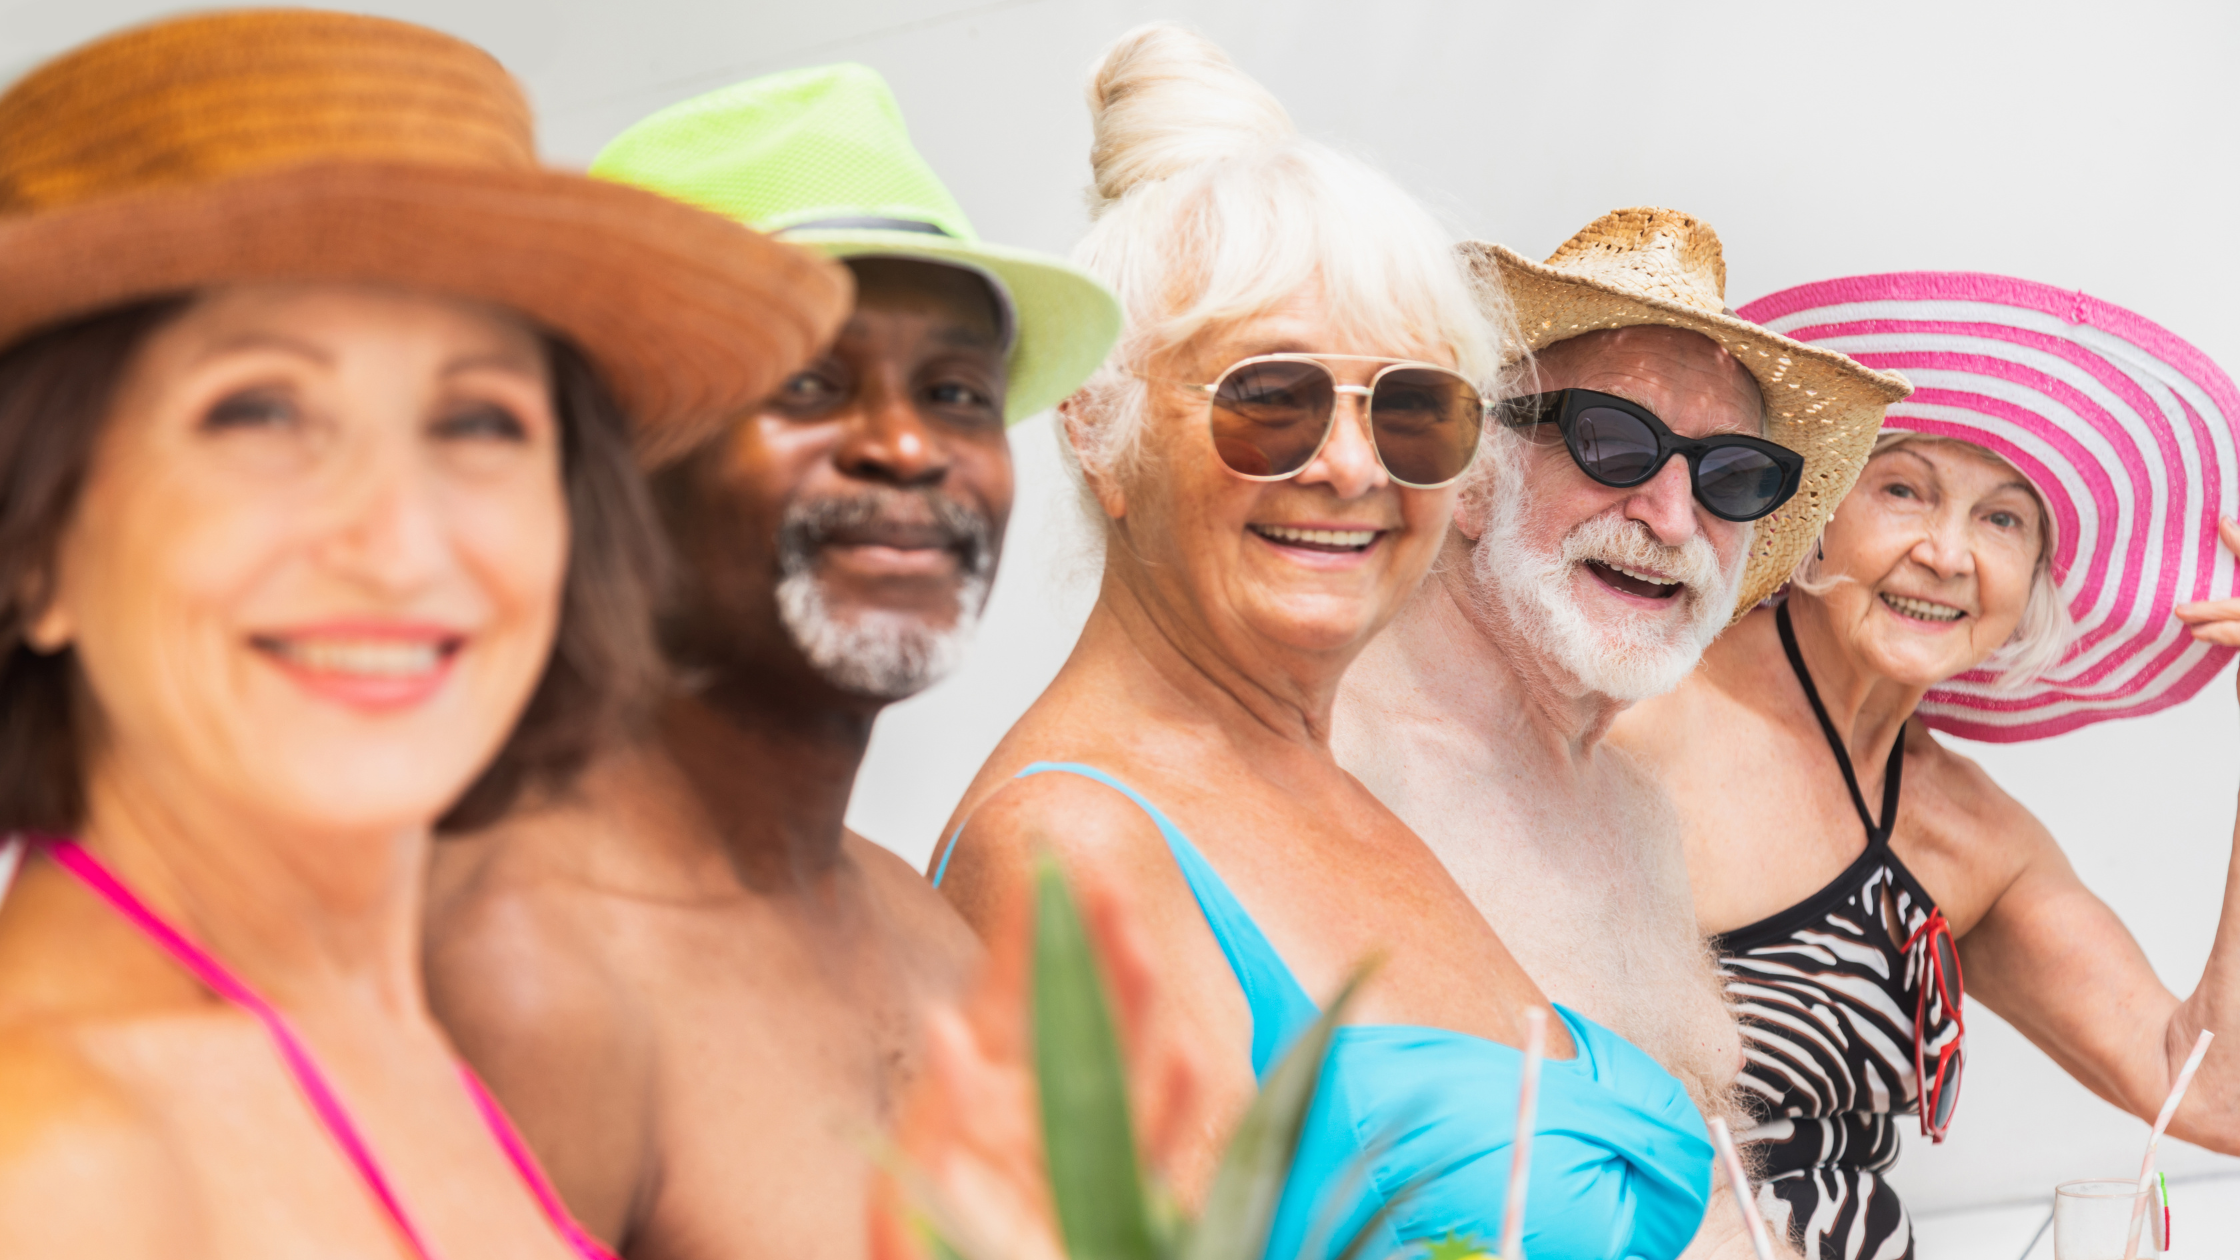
(695, 989)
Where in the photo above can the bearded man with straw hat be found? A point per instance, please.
(697, 989)
(1665, 466)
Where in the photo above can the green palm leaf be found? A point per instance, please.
(1241, 1208)
(1095, 1177)
(1106, 1209)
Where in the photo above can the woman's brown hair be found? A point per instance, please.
(56, 388)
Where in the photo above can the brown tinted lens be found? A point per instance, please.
(1948, 968)
(1269, 418)
(1426, 423)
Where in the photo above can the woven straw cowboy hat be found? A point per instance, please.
(2128, 433)
(292, 145)
(821, 158)
(1652, 266)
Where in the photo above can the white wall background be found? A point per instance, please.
(2080, 144)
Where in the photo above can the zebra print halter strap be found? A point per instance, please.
(1825, 992)
(1877, 833)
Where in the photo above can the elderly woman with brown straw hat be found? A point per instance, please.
(1272, 455)
(321, 531)
(2033, 546)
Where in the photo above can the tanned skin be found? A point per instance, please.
(1462, 721)
(1935, 523)
(1205, 679)
(695, 989)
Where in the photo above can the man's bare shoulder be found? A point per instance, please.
(529, 921)
(918, 918)
(74, 1145)
(515, 900)
(532, 953)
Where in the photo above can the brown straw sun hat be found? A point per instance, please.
(1651, 266)
(289, 144)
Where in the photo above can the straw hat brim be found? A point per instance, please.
(1818, 403)
(1068, 322)
(688, 318)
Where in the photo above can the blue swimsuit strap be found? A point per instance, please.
(1281, 1009)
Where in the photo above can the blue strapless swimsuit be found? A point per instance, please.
(1621, 1161)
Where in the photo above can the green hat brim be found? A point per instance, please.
(1067, 321)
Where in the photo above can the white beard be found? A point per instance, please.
(880, 654)
(884, 655)
(1628, 658)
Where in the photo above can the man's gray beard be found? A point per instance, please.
(880, 654)
(1627, 659)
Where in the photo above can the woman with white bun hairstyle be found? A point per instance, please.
(2032, 546)
(1271, 453)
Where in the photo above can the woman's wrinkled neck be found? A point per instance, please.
(1257, 690)
(1868, 708)
(295, 912)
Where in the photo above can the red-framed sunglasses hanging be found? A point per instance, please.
(1941, 994)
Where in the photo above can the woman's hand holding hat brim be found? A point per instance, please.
(2215, 620)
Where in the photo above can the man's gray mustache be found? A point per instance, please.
(809, 525)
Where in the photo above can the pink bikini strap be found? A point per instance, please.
(72, 857)
(525, 1163)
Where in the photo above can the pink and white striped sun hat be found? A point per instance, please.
(2128, 432)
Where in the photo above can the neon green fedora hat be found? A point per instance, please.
(820, 157)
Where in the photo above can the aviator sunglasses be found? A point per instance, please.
(1273, 413)
(1941, 995)
(1622, 443)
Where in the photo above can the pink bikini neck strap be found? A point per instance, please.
(509, 1140)
(72, 857)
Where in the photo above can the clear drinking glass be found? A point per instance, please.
(2092, 1220)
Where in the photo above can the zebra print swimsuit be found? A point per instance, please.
(1825, 992)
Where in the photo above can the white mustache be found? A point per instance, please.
(1621, 543)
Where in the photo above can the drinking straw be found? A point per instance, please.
(2154, 1139)
(1520, 1151)
(1739, 1182)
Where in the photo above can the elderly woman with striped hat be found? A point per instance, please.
(2032, 547)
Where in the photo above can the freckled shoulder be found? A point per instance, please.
(1093, 829)
(1963, 828)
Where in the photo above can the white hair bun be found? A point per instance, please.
(1164, 100)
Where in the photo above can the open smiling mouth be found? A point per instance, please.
(1922, 610)
(1340, 540)
(1645, 585)
(362, 658)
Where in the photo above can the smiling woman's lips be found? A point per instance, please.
(1925, 611)
(379, 670)
(1338, 539)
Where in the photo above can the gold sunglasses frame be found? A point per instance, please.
(1367, 394)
